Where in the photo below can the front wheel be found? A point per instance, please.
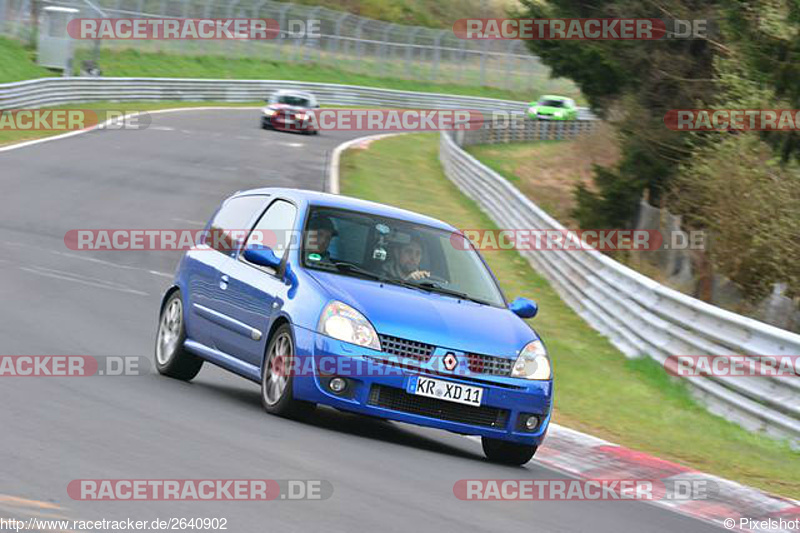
(171, 358)
(277, 377)
(507, 453)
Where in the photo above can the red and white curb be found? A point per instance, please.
(588, 457)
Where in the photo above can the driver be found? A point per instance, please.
(318, 237)
(405, 262)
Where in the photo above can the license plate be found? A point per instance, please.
(446, 390)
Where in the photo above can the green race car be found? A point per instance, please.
(551, 107)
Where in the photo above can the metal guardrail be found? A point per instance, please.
(639, 316)
(58, 91)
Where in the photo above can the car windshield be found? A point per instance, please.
(552, 103)
(399, 252)
(293, 100)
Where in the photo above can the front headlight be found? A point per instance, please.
(268, 112)
(533, 363)
(533, 110)
(344, 323)
(559, 114)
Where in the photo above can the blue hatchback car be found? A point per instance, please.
(325, 299)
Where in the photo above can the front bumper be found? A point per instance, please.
(379, 389)
(280, 122)
(551, 117)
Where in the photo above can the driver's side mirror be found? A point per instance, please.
(263, 256)
(524, 308)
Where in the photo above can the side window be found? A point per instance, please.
(232, 222)
(275, 228)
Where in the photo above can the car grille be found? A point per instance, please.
(399, 400)
(406, 348)
(487, 364)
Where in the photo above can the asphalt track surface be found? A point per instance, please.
(385, 476)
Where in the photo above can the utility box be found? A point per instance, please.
(56, 47)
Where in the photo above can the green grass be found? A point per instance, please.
(631, 402)
(101, 108)
(127, 62)
(18, 63)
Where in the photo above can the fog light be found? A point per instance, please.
(337, 385)
(531, 422)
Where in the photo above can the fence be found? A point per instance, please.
(640, 316)
(345, 41)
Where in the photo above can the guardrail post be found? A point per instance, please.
(311, 15)
(512, 45)
(484, 51)
(384, 53)
(338, 30)
(410, 49)
(255, 14)
(359, 43)
(437, 55)
(282, 35)
(3, 17)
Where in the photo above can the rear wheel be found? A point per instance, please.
(171, 358)
(277, 377)
(507, 453)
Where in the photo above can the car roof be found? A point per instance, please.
(321, 199)
(553, 97)
(304, 94)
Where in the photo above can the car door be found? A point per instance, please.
(205, 264)
(255, 293)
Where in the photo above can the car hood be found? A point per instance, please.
(431, 318)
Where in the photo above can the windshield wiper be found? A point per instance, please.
(344, 266)
(435, 287)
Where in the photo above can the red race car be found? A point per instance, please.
(288, 110)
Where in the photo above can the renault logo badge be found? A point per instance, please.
(450, 361)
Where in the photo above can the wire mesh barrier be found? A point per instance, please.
(342, 40)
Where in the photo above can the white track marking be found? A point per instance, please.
(188, 221)
(24, 144)
(74, 278)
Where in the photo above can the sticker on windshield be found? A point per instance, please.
(314, 257)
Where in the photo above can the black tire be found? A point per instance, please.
(265, 125)
(507, 453)
(171, 358)
(276, 399)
